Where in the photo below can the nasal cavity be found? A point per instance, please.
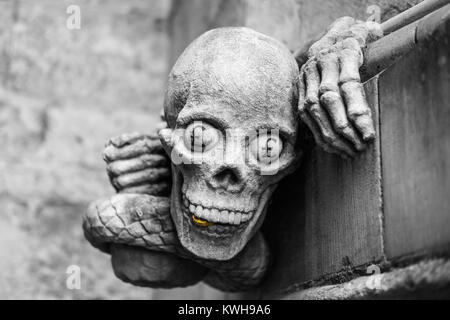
(227, 176)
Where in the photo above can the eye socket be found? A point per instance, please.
(266, 147)
(200, 136)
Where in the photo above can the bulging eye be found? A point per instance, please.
(200, 136)
(266, 147)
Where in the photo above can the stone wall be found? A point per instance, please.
(335, 218)
(63, 93)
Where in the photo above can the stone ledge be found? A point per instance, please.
(428, 279)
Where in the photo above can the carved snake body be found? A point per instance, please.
(138, 231)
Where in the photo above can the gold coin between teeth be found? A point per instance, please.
(201, 223)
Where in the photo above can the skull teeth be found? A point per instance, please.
(215, 215)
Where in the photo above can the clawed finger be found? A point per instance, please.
(142, 267)
(332, 102)
(154, 189)
(358, 110)
(145, 161)
(328, 64)
(333, 34)
(139, 220)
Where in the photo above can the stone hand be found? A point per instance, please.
(137, 163)
(332, 101)
(248, 84)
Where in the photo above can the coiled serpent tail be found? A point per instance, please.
(138, 231)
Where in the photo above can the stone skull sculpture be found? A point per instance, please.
(231, 132)
(225, 92)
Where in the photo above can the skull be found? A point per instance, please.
(231, 109)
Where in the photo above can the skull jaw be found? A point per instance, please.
(209, 247)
